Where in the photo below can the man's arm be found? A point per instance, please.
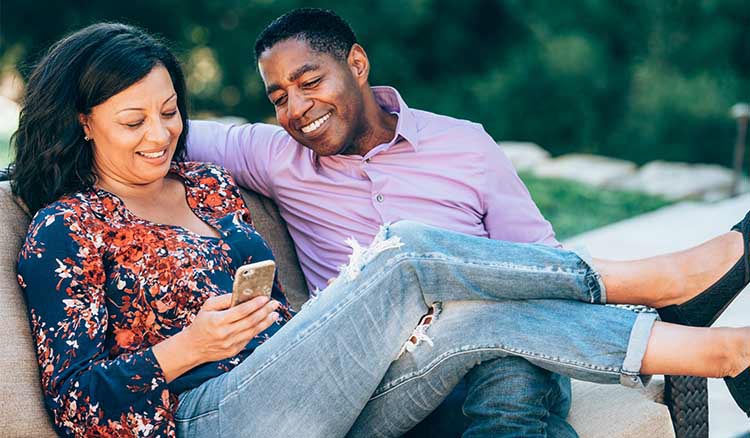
(510, 213)
(246, 151)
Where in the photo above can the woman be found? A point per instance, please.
(128, 261)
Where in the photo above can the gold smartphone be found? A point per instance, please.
(253, 280)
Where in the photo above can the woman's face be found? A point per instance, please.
(134, 133)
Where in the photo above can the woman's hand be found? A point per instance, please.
(217, 332)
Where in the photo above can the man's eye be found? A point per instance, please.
(280, 101)
(310, 84)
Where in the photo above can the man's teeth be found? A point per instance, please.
(316, 124)
(152, 154)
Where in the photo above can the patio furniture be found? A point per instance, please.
(598, 411)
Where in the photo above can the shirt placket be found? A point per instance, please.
(377, 197)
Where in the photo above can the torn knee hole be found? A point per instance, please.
(420, 332)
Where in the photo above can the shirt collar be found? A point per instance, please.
(390, 100)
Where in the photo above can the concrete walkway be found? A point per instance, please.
(670, 229)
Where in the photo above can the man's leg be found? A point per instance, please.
(510, 397)
(533, 402)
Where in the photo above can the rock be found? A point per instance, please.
(9, 112)
(680, 180)
(588, 169)
(524, 156)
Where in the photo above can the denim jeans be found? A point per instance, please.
(516, 399)
(340, 366)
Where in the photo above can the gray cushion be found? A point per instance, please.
(23, 412)
(613, 411)
(272, 227)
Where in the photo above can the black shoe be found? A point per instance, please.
(739, 387)
(703, 309)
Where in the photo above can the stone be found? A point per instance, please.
(593, 170)
(676, 181)
(524, 155)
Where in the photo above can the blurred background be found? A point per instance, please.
(635, 79)
(642, 88)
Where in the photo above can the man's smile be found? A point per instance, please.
(315, 124)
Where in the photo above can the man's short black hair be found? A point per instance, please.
(323, 30)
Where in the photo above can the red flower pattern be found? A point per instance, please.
(103, 286)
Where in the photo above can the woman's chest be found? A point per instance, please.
(163, 274)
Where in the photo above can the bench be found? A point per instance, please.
(599, 411)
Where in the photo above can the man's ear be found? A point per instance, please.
(359, 64)
(83, 119)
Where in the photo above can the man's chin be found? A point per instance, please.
(327, 150)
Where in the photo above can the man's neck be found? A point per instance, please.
(379, 126)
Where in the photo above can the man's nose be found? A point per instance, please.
(297, 105)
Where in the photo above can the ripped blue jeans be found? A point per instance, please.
(361, 360)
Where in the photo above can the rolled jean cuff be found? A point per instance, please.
(631, 368)
(593, 278)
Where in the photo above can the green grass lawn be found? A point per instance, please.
(574, 208)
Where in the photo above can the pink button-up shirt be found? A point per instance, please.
(437, 170)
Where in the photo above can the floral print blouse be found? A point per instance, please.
(103, 286)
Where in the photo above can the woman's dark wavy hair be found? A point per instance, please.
(79, 72)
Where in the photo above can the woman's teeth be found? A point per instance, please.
(152, 154)
(315, 124)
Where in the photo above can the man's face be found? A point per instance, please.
(317, 97)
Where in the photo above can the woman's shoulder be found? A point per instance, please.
(214, 188)
(68, 208)
(70, 218)
(205, 174)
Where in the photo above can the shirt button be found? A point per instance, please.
(367, 160)
(379, 198)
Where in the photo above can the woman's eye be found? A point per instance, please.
(170, 113)
(134, 124)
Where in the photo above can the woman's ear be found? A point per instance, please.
(83, 119)
(359, 64)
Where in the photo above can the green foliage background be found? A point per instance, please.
(640, 80)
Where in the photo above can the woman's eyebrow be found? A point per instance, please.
(141, 109)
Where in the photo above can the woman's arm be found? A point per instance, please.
(62, 275)
(61, 271)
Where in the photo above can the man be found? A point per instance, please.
(351, 157)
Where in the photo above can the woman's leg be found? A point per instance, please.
(336, 351)
(655, 282)
(601, 344)
(677, 277)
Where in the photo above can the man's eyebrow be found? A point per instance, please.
(141, 109)
(296, 74)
